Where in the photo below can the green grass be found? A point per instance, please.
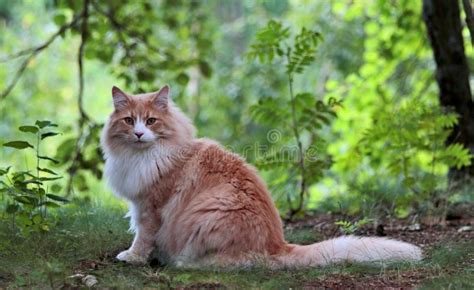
(85, 241)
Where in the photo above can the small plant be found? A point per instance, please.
(27, 196)
(350, 228)
(408, 142)
(300, 116)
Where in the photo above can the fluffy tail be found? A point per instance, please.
(349, 248)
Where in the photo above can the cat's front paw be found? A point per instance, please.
(132, 258)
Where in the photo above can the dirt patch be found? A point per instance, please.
(422, 234)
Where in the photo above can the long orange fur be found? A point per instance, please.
(201, 205)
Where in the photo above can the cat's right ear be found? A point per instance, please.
(120, 98)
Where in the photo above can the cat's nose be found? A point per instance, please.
(138, 134)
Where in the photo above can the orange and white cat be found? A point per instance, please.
(201, 205)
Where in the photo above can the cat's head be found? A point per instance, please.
(144, 121)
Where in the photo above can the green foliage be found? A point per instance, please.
(375, 57)
(350, 228)
(269, 42)
(302, 53)
(27, 198)
(307, 114)
(412, 139)
(390, 155)
(142, 51)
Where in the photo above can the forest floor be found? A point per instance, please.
(85, 241)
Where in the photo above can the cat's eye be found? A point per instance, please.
(128, 120)
(150, 121)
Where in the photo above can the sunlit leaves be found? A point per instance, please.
(304, 49)
(274, 41)
(412, 138)
(146, 40)
(269, 42)
(456, 155)
(293, 115)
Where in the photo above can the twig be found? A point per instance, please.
(83, 117)
(80, 57)
(296, 133)
(32, 52)
(469, 18)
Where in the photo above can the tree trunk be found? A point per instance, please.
(443, 22)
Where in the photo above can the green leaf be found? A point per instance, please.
(45, 123)
(49, 178)
(57, 197)
(56, 188)
(44, 227)
(47, 170)
(29, 129)
(12, 208)
(59, 19)
(48, 158)
(20, 175)
(37, 218)
(39, 191)
(205, 68)
(182, 79)
(25, 199)
(51, 204)
(24, 220)
(4, 171)
(33, 181)
(65, 149)
(18, 144)
(48, 134)
(409, 181)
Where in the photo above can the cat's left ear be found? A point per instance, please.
(160, 98)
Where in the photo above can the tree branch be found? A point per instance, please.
(83, 117)
(32, 52)
(80, 57)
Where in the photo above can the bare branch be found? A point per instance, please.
(17, 76)
(38, 48)
(80, 57)
(32, 52)
(83, 117)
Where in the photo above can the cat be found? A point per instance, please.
(201, 205)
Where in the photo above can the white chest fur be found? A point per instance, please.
(131, 173)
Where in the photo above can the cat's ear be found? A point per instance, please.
(120, 98)
(160, 98)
